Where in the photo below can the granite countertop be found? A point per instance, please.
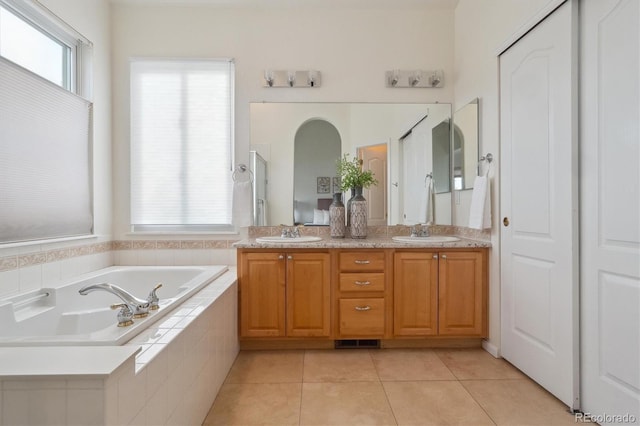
(370, 242)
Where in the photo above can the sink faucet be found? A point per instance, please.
(139, 307)
(422, 232)
(290, 232)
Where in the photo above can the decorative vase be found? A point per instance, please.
(358, 215)
(349, 201)
(337, 217)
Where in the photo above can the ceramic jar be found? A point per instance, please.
(358, 215)
(337, 217)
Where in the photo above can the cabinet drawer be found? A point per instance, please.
(362, 281)
(362, 261)
(362, 317)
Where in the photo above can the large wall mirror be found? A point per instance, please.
(465, 145)
(408, 146)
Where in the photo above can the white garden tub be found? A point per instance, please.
(60, 316)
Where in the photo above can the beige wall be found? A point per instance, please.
(481, 28)
(351, 47)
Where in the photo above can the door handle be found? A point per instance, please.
(505, 221)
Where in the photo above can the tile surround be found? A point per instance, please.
(173, 380)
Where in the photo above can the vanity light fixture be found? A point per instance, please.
(415, 78)
(290, 78)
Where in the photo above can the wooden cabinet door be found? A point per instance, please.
(415, 294)
(262, 295)
(462, 294)
(308, 295)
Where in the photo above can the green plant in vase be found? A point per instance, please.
(353, 177)
(351, 174)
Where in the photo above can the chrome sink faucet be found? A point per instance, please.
(139, 307)
(290, 232)
(422, 232)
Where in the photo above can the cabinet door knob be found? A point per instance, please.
(362, 282)
(435, 256)
(363, 308)
(281, 257)
(362, 262)
(505, 221)
(289, 257)
(444, 256)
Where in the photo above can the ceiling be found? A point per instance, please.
(395, 4)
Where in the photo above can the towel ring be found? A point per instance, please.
(428, 176)
(488, 158)
(242, 168)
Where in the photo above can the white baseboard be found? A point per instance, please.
(491, 348)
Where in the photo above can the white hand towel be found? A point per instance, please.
(480, 213)
(242, 211)
(427, 204)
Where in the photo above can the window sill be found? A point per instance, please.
(179, 233)
(47, 241)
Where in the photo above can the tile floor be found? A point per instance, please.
(381, 387)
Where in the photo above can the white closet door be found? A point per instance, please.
(610, 209)
(539, 205)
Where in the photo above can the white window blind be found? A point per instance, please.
(45, 161)
(181, 144)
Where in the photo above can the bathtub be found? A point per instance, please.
(60, 316)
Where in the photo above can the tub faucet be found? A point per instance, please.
(153, 298)
(139, 307)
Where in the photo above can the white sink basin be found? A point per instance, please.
(429, 239)
(287, 240)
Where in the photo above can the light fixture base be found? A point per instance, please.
(414, 79)
(289, 78)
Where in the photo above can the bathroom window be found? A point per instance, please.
(37, 41)
(181, 144)
(45, 126)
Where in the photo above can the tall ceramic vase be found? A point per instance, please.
(358, 215)
(349, 201)
(337, 217)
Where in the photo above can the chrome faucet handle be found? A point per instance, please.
(295, 233)
(414, 232)
(286, 233)
(153, 298)
(125, 316)
(424, 231)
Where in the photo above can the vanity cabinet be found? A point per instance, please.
(361, 296)
(440, 293)
(321, 295)
(284, 294)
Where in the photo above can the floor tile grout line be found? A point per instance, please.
(494, 421)
(304, 359)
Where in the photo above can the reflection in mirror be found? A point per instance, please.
(373, 132)
(424, 186)
(465, 145)
(317, 147)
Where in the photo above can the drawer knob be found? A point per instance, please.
(363, 308)
(362, 262)
(362, 282)
(281, 257)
